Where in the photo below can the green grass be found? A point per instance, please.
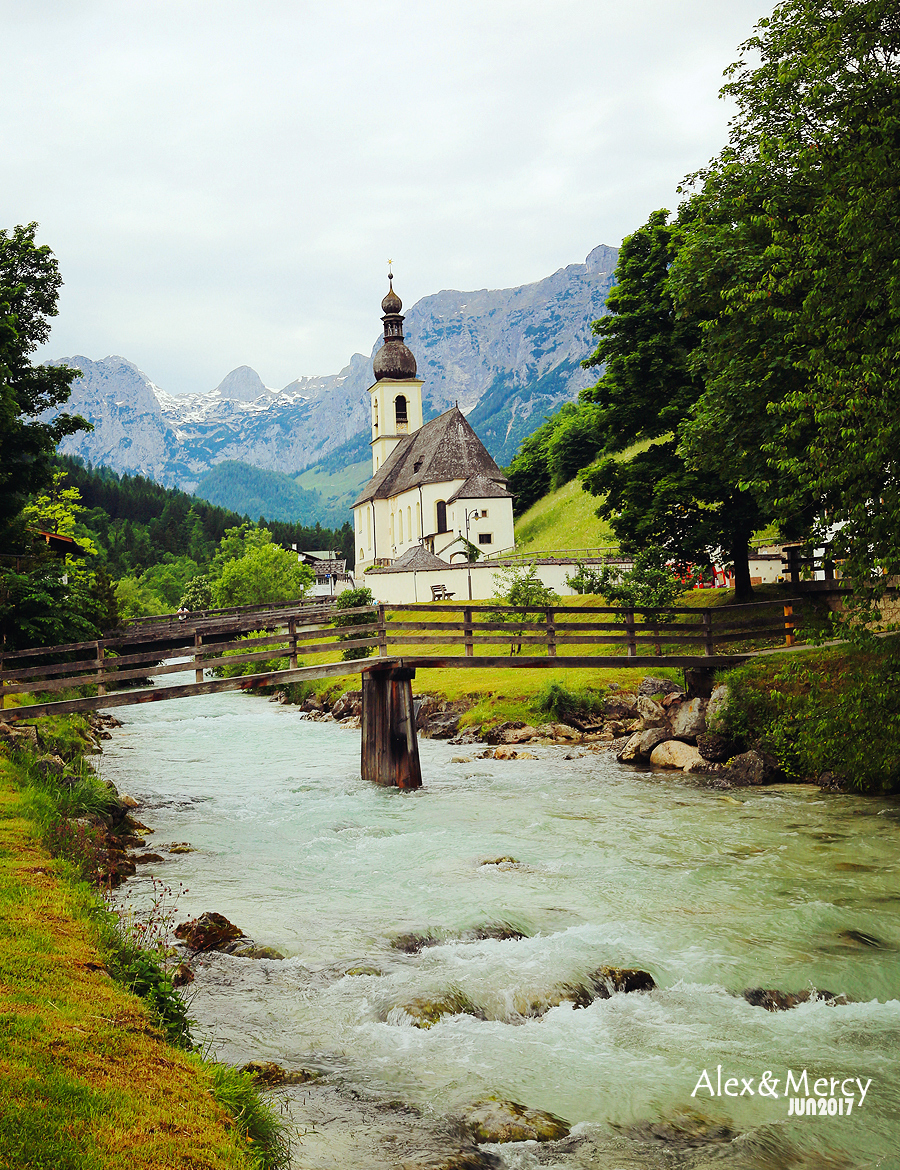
(564, 519)
(87, 1080)
(337, 488)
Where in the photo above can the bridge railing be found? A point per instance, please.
(436, 634)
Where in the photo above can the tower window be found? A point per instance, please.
(400, 409)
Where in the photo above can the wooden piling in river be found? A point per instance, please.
(390, 750)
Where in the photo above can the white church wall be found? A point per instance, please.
(411, 588)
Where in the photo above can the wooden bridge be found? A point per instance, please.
(393, 643)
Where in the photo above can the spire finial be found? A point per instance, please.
(390, 273)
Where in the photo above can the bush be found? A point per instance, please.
(354, 599)
(828, 711)
(556, 702)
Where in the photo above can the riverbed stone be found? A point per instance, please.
(657, 686)
(673, 753)
(754, 768)
(651, 713)
(349, 704)
(781, 1001)
(496, 1120)
(210, 932)
(715, 708)
(631, 750)
(689, 720)
(686, 1130)
(146, 858)
(715, 748)
(623, 705)
(425, 1013)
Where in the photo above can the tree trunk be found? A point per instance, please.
(740, 556)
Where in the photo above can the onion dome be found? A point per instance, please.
(393, 360)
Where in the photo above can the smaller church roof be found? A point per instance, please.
(414, 560)
(442, 450)
(479, 487)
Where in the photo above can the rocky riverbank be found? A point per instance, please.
(658, 726)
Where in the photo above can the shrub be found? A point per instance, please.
(555, 701)
(354, 599)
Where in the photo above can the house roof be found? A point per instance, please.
(444, 449)
(479, 487)
(414, 560)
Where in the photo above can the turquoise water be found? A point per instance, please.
(711, 893)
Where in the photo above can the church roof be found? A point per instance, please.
(414, 560)
(479, 487)
(444, 449)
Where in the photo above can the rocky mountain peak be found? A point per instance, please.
(241, 385)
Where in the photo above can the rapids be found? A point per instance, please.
(711, 893)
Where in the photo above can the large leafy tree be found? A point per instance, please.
(29, 395)
(793, 259)
(645, 394)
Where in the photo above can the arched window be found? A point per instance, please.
(442, 516)
(400, 411)
(409, 531)
(361, 555)
(400, 527)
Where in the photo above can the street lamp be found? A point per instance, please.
(473, 515)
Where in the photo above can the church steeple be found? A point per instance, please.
(397, 392)
(393, 360)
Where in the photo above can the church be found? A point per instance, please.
(434, 490)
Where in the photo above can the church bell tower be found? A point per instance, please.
(396, 393)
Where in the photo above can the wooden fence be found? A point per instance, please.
(427, 635)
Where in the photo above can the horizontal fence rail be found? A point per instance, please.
(211, 647)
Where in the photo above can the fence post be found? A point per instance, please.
(382, 632)
(789, 625)
(468, 632)
(101, 689)
(198, 646)
(292, 630)
(629, 633)
(709, 647)
(551, 634)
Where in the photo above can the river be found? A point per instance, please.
(712, 893)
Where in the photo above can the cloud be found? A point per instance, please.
(223, 183)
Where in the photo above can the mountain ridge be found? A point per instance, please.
(507, 356)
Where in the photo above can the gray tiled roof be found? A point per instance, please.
(414, 560)
(479, 487)
(445, 448)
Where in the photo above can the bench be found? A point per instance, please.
(439, 593)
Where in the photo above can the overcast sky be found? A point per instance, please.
(223, 182)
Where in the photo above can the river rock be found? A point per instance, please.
(632, 749)
(349, 704)
(146, 858)
(753, 768)
(651, 713)
(687, 1130)
(312, 704)
(209, 932)
(250, 950)
(268, 1073)
(715, 748)
(26, 737)
(689, 720)
(657, 686)
(715, 708)
(781, 1001)
(623, 705)
(425, 1013)
(672, 753)
(495, 1120)
(182, 975)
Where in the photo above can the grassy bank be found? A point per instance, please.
(88, 1080)
(834, 710)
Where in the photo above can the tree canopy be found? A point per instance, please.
(29, 287)
(792, 263)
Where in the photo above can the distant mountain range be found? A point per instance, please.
(507, 356)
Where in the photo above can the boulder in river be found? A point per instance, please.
(689, 720)
(651, 713)
(348, 705)
(781, 1001)
(672, 753)
(715, 748)
(209, 932)
(496, 1120)
(422, 1012)
(754, 768)
(687, 1130)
